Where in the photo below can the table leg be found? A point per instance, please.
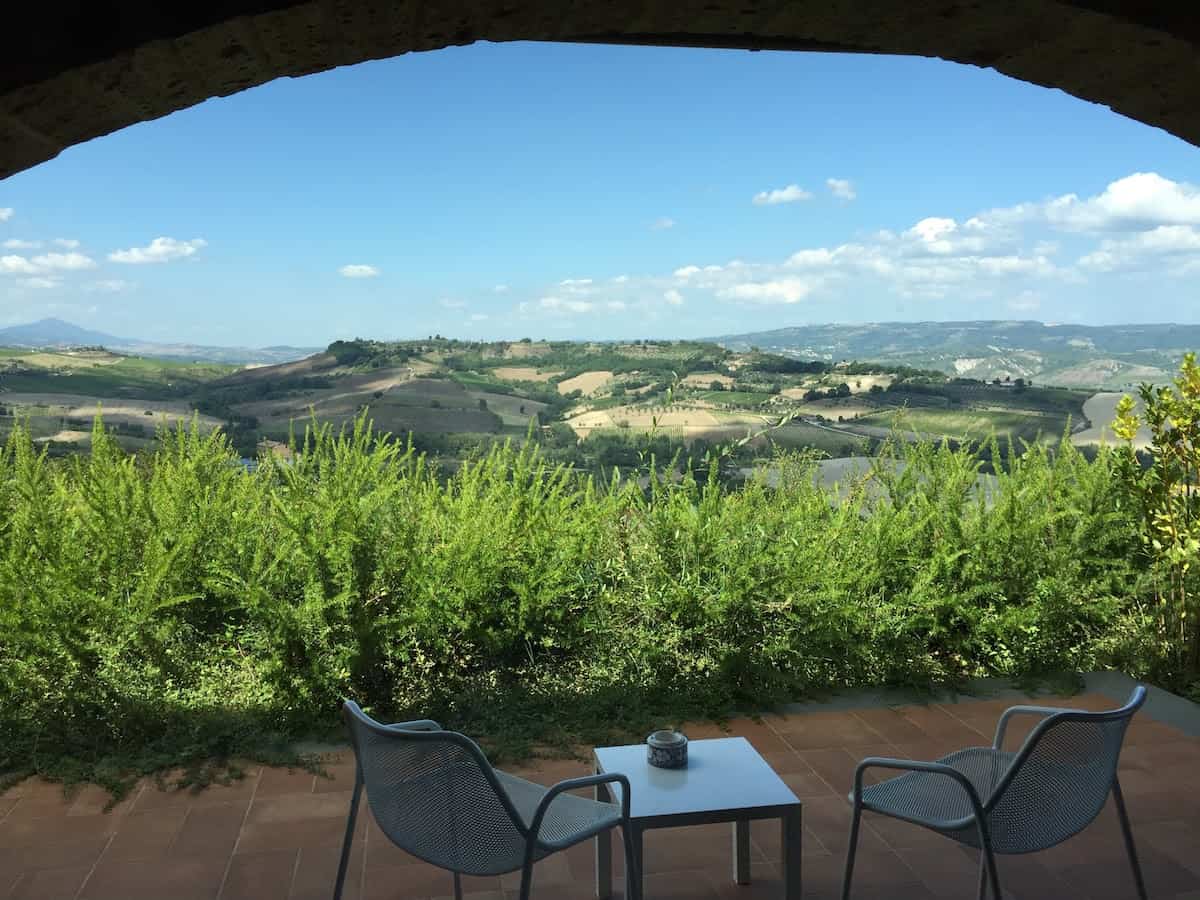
(790, 837)
(741, 851)
(634, 891)
(603, 852)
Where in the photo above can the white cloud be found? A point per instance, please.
(6, 213)
(159, 250)
(689, 271)
(990, 262)
(1026, 301)
(782, 290)
(17, 265)
(933, 233)
(41, 282)
(69, 243)
(1138, 202)
(46, 262)
(789, 194)
(500, 289)
(67, 261)
(559, 305)
(18, 244)
(663, 223)
(1009, 265)
(110, 285)
(451, 303)
(358, 270)
(1141, 200)
(841, 188)
(1148, 247)
(943, 237)
(615, 305)
(479, 317)
(807, 259)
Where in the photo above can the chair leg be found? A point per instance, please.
(851, 849)
(457, 886)
(527, 871)
(1130, 848)
(344, 862)
(989, 860)
(982, 877)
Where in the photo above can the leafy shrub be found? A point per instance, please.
(172, 608)
(1168, 494)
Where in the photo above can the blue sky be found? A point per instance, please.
(501, 191)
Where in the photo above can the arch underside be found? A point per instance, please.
(71, 71)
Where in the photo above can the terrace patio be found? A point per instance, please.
(276, 834)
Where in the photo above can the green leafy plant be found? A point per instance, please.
(1169, 495)
(176, 610)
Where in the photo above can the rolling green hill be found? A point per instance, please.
(1081, 356)
(457, 397)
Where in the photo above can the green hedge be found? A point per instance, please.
(161, 610)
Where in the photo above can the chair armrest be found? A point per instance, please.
(571, 784)
(1044, 711)
(913, 765)
(416, 725)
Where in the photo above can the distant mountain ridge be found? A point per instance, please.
(55, 333)
(47, 333)
(1113, 356)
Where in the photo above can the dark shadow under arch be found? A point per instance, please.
(75, 69)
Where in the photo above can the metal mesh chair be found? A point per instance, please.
(998, 801)
(434, 794)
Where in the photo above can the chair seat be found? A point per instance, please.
(569, 819)
(936, 801)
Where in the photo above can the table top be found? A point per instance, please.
(723, 774)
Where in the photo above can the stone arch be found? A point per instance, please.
(71, 70)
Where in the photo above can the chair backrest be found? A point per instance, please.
(1060, 779)
(434, 794)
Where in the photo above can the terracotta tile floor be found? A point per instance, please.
(276, 835)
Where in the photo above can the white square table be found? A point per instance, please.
(725, 781)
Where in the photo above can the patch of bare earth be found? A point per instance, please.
(310, 365)
(526, 351)
(682, 421)
(68, 436)
(523, 373)
(588, 383)
(149, 413)
(704, 379)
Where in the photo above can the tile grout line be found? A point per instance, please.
(100, 856)
(95, 865)
(4, 818)
(825, 781)
(947, 708)
(182, 824)
(882, 737)
(295, 871)
(238, 839)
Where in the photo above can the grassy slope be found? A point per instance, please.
(975, 423)
(401, 400)
(133, 377)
